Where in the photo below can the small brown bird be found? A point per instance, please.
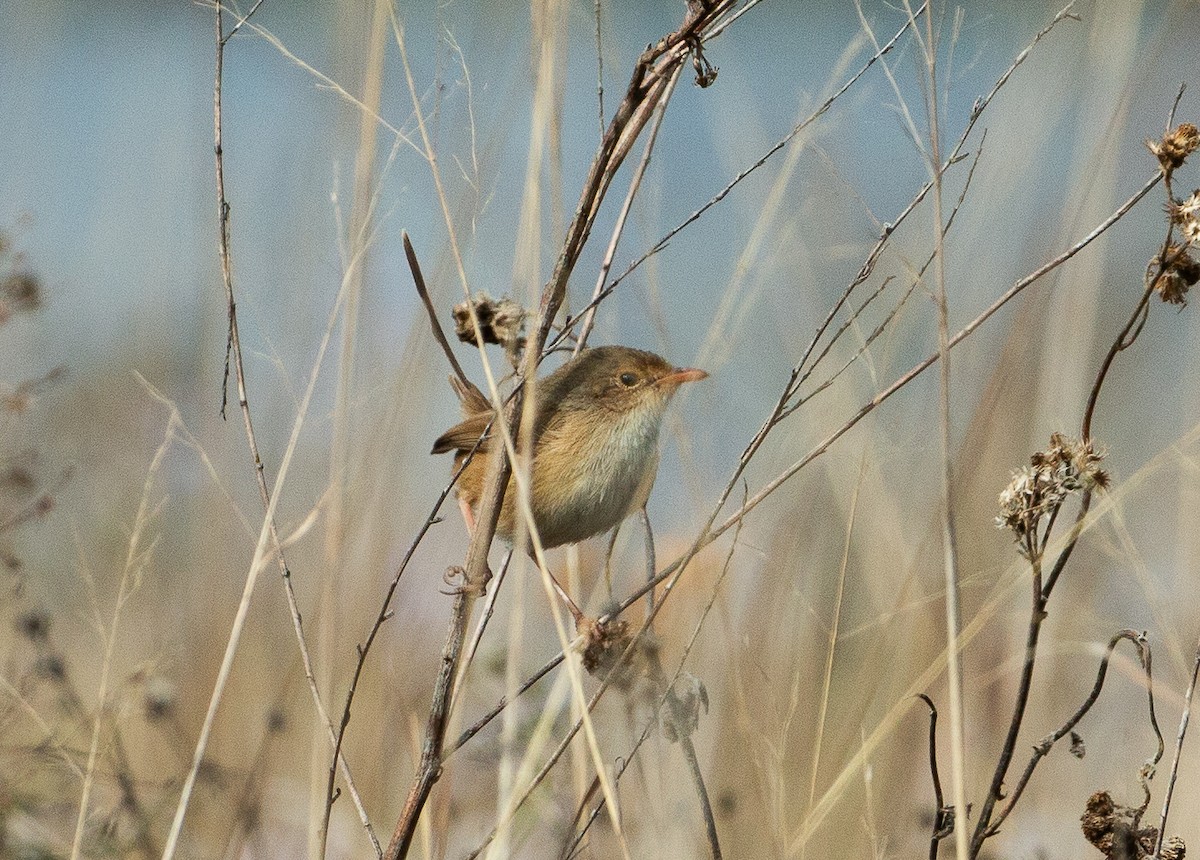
(595, 442)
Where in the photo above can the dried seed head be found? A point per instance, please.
(1115, 829)
(1185, 214)
(1180, 275)
(1176, 145)
(1173, 849)
(1096, 821)
(1172, 289)
(603, 646)
(501, 321)
(1036, 491)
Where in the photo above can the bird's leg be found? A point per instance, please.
(575, 611)
(468, 515)
(612, 543)
(651, 563)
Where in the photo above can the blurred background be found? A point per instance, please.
(129, 511)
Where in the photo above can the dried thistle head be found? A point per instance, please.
(1176, 145)
(1173, 849)
(1180, 274)
(1185, 214)
(501, 321)
(1117, 832)
(603, 645)
(1036, 491)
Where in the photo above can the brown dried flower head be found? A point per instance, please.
(1181, 273)
(1068, 466)
(501, 321)
(1173, 849)
(603, 645)
(1176, 145)
(1116, 830)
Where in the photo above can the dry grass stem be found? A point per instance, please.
(268, 496)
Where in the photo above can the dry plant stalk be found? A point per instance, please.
(269, 538)
(1030, 505)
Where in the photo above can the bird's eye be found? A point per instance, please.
(629, 379)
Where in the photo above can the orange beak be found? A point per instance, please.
(680, 375)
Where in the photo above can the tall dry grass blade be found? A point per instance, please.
(954, 677)
(328, 612)
(268, 537)
(1184, 719)
(831, 646)
(131, 572)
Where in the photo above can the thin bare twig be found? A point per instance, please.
(1043, 747)
(270, 531)
(939, 799)
(724, 192)
(1183, 727)
(599, 68)
(423, 292)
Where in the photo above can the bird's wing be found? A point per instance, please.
(477, 411)
(464, 435)
(472, 399)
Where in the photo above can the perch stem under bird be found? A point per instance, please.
(596, 421)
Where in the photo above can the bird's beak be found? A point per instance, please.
(680, 375)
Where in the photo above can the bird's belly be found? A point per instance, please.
(595, 493)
